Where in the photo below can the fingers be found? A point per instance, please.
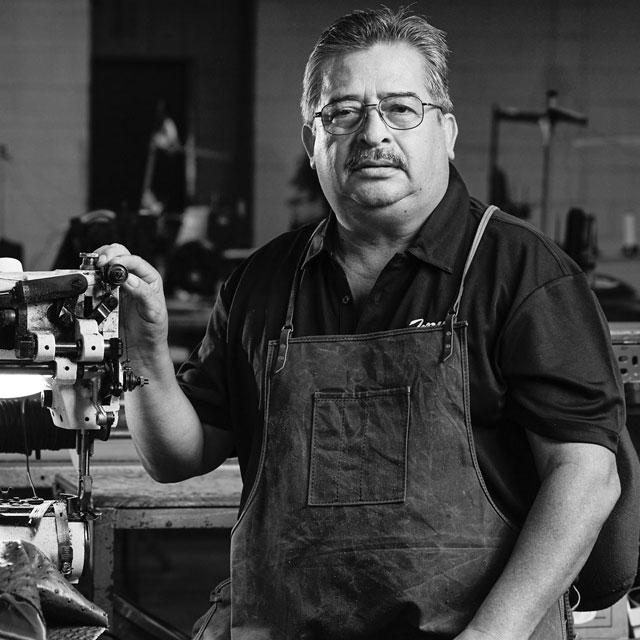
(117, 253)
(107, 252)
(143, 285)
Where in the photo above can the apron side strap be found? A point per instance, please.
(283, 348)
(447, 349)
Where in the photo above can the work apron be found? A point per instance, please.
(369, 518)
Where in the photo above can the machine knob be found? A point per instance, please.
(130, 380)
(115, 274)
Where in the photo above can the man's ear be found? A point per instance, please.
(450, 127)
(309, 142)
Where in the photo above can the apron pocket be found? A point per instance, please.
(359, 447)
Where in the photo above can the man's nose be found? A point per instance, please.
(374, 130)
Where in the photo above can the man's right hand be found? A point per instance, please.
(143, 311)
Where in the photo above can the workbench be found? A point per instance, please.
(129, 499)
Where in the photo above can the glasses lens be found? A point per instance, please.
(342, 117)
(402, 112)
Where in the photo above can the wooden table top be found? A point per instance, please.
(129, 486)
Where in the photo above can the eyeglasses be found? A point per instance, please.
(397, 112)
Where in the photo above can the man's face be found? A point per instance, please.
(384, 170)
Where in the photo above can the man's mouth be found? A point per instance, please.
(374, 164)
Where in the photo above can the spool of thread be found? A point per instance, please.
(629, 236)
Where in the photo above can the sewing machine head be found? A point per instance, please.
(63, 326)
(61, 329)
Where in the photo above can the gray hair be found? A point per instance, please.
(362, 29)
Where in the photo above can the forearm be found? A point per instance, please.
(170, 439)
(165, 428)
(556, 539)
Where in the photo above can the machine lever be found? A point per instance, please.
(43, 289)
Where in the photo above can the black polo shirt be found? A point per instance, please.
(539, 347)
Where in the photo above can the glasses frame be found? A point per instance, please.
(365, 113)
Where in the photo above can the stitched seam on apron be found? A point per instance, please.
(363, 446)
(467, 420)
(343, 441)
(366, 398)
(263, 450)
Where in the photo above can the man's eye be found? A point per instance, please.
(344, 112)
(400, 108)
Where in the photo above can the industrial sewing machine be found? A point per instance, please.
(60, 329)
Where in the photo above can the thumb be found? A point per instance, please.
(133, 281)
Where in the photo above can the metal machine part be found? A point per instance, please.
(48, 525)
(64, 326)
(625, 338)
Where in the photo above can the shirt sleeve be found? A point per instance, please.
(563, 380)
(203, 378)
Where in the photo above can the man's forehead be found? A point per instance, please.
(384, 68)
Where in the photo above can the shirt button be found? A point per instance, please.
(346, 299)
(377, 298)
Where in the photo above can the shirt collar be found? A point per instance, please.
(320, 240)
(437, 242)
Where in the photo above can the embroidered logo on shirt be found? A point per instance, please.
(421, 323)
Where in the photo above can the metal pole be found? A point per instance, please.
(493, 153)
(546, 128)
(4, 159)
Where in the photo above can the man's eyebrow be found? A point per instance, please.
(401, 94)
(340, 98)
(388, 94)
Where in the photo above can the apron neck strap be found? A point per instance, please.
(452, 316)
(472, 252)
(287, 328)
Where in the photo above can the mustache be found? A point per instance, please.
(362, 156)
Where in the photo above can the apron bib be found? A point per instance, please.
(369, 518)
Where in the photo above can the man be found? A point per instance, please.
(339, 368)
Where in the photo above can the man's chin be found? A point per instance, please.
(374, 197)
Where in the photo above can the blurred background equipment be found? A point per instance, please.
(546, 120)
(629, 247)
(619, 300)
(86, 233)
(581, 239)
(8, 248)
(307, 203)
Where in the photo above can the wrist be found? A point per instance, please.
(153, 357)
(475, 633)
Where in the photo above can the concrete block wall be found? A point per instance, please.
(44, 79)
(504, 52)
